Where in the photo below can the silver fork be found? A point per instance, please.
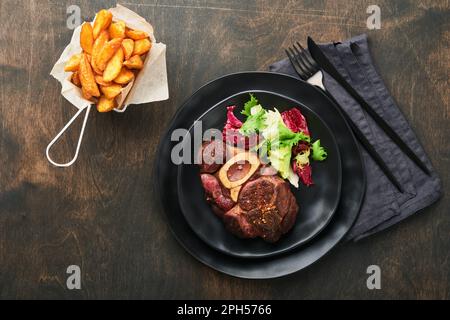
(305, 66)
(308, 70)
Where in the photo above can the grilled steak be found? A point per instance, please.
(265, 205)
(266, 208)
(212, 156)
(216, 194)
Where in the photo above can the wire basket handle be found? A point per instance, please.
(80, 139)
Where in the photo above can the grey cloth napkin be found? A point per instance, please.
(383, 205)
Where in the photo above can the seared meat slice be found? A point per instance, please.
(212, 156)
(266, 208)
(216, 194)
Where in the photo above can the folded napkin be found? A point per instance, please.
(383, 205)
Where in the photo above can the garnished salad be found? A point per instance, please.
(283, 139)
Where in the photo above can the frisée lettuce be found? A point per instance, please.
(278, 139)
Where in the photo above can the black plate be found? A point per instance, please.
(317, 203)
(353, 177)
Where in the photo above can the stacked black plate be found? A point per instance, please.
(327, 210)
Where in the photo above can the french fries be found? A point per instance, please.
(101, 81)
(105, 104)
(76, 79)
(87, 78)
(135, 62)
(117, 30)
(136, 34)
(111, 91)
(125, 76)
(110, 51)
(114, 66)
(102, 22)
(73, 64)
(98, 46)
(128, 48)
(87, 38)
(142, 47)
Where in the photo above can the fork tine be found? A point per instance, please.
(306, 63)
(303, 62)
(298, 68)
(294, 63)
(308, 56)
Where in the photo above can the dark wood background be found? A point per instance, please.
(103, 213)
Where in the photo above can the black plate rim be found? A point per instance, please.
(157, 181)
(324, 223)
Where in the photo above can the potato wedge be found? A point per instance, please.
(102, 22)
(74, 63)
(114, 66)
(105, 104)
(86, 94)
(128, 48)
(142, 46)
(75, 78)
(107, 52)
(135, 62)
(125, 76)
(117, 29)
(87, 78)
(87, 38)
(136, 34)
(99, 43)
(111, 91)
(99, 79)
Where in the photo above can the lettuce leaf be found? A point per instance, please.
(303, 158)
(278, 138)
(281, 140)
(318, 152)
(255, 121)
(249, 105)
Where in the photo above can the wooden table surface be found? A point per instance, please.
(103, 213)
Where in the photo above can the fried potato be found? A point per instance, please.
(117, 29)
(87, 78)
(102, 22)
(107, 52)
(114, 66)
(111, 91)
(136, 34)
(76, 79)
(135, 62)
(86, 94)
(105, 104)
(142, 46)
(99, 79)
(99, 43)
(125, 76)
(74, 63)
(128, 48)
(87, 38)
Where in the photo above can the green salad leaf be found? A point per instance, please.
(318, 152)
(255, 121)
(278, 139)
(249, 105)
(303, 158)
